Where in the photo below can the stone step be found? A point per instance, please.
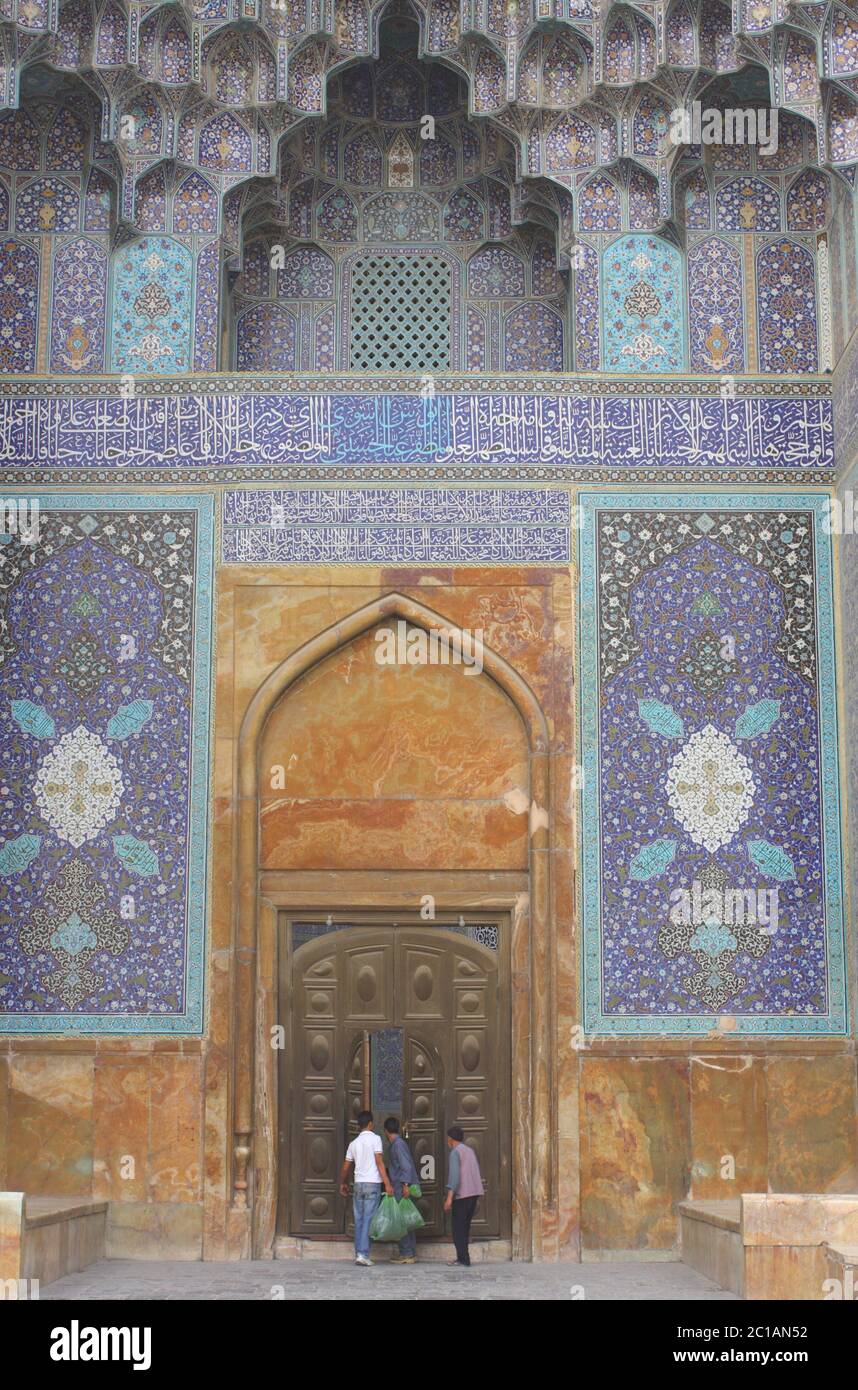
(434, 1251)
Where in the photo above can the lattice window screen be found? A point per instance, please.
(401, 309)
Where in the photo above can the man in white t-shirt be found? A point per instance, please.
(365, 1152)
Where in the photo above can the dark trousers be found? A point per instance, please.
(463, 1215)
(408, 1243)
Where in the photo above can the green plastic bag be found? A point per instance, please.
(387, 1224)
(410, 1214)
(415, 1190)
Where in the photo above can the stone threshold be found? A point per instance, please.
(435, 1251)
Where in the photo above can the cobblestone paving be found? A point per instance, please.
(338, 1279)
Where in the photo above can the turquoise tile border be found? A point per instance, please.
(191, 1022)
(836, 1022)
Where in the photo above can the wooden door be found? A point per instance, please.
(382, 1014)
(447, 992)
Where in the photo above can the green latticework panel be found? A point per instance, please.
(401, 307)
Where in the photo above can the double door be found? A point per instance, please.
(404, 1021)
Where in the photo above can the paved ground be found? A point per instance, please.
(336, 1279)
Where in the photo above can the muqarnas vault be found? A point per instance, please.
(193, 187)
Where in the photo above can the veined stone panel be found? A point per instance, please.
(709, 745)
(390, 765)
(105, 660)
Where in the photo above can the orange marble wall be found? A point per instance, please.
(635, 1152)
(710, 1125)
(812, 1124)
(728, 1126)
(50, 1112)
(116, 1120)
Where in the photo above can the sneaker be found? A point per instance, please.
(456, 1264)
(404, 1260)
(362, 1260)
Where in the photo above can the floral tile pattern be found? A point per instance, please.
(151, 327)
(79, 306)
(712, 873)
(105, 652)
(642, 318)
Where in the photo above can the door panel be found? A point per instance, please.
(409, 1020)
(369, 982)
(422, 977)
(476, 1100)
(357, 1090)
(355, 1085)
(315, 1060)
(421, 1123)
(326, 1075)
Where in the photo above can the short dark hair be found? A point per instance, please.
(364, 1119)
(456, 1132)
(391, 1124)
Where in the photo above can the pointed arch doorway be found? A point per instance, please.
(284, 867)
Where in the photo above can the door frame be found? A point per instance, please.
(387, 920)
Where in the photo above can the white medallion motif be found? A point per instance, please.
(710, 788)
(78, 786)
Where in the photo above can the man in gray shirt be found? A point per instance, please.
(464, 1190)
(402, 1173)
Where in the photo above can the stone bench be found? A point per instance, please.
(773, 1245)
(43, 1238)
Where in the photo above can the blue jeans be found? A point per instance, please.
(408, 1243)
(367, 1196)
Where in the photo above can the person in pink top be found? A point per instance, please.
(464, 1190)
